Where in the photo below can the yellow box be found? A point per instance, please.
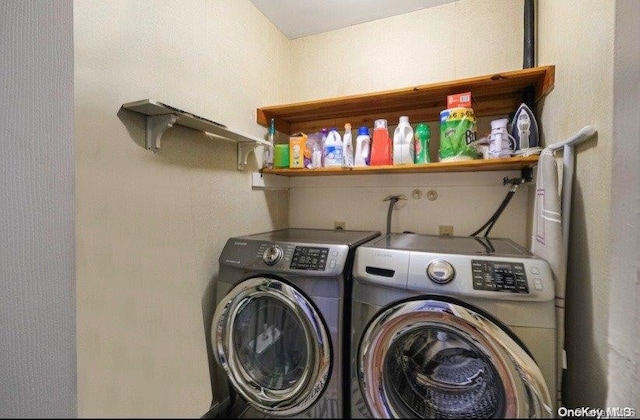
(297, 148)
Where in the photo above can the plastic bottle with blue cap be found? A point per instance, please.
(332, 151)
(363, 146)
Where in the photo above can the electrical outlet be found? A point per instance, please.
(446, 230)
(338, 225)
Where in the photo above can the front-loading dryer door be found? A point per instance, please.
(434, 357)
(273, 344)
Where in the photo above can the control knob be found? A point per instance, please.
(272, 255)
(440, 271)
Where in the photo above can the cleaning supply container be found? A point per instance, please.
(363, 146)
(332, 152)
(457, 133)
(381, 144)
(269, 148)
(421, 143)
(347, 146)
(403, 147)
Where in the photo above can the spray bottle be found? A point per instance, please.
(347, 146)
(269, 148)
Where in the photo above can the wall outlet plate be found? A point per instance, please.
(446, 230)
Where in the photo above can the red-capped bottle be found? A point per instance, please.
(381, 152)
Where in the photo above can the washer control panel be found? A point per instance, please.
(272, 255)
(499, 276)
(440, 271)
(526, 278)
(309, 258)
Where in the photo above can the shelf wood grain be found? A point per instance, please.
(475, 165)
(493, 94)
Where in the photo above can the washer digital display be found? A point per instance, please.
(499, 276)
(309, 258)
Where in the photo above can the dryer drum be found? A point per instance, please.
(273, 345)
(436, 359)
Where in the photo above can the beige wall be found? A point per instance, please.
(583, 94)
(150, 227)
(412, 49)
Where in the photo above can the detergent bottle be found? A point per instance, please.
(403, 142)
(422, 141)
(347, 146)
(381, 144)
(332, 152)
(363, 145)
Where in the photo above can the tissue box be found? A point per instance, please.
(459, 100)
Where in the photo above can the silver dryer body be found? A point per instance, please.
(279, 328)
(451, 327)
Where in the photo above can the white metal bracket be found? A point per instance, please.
(159, 117)
(156, 126)
(244, 149)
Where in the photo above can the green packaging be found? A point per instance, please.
(422, 140)
(281, 156)
(457, 132)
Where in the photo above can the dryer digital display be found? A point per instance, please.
(499, 276)
(309, 258)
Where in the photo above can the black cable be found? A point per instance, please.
(494, 218)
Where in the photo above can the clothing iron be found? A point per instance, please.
(524, 128)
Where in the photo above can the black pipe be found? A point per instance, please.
(528, 59)
(529, 35)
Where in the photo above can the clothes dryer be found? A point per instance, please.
(451, 327)
(281, 325)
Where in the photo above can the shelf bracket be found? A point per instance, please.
(244, 149)
(156, 126)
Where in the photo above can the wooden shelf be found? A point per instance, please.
(476, 165)
(493, 94)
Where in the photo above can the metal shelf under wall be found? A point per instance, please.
(160, 117)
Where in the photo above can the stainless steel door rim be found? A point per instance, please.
(273, 345)
(434, 358)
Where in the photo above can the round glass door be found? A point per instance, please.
(430, 358)
(273, 344)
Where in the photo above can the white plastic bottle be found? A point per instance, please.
(363, 145)
(332, 152)
(347, 146)
(403, 142)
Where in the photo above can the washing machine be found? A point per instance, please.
(281, 320)
(452, 327)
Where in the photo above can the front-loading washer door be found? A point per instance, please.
(434, 357)
(273, 344)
